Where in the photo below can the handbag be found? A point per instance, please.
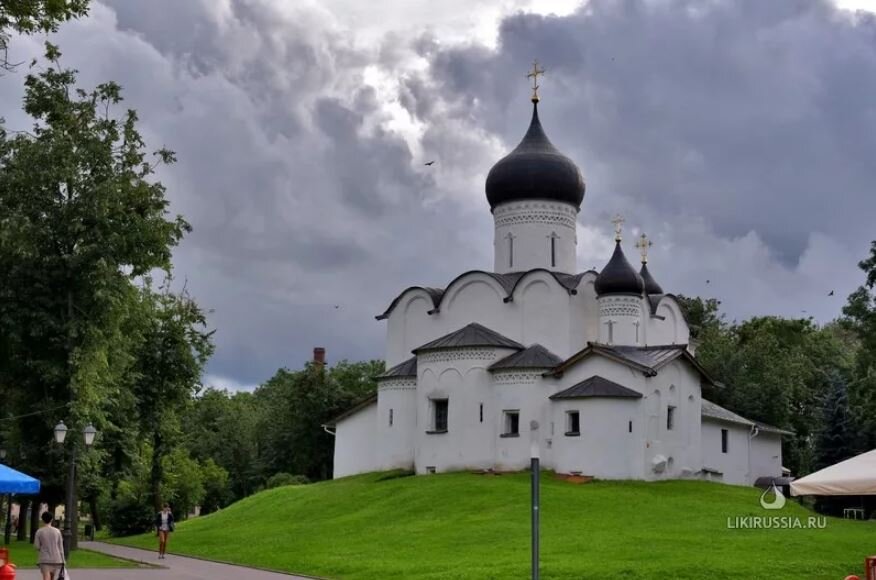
(64, 574)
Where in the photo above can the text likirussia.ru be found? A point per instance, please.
(776, 523)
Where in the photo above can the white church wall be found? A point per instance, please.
(523, 233)
(460, 376)
(545, 307)
(766, 455)
(584, 315)
(408, 324)
(734, 464)
(673, 452)
(609, 445)
(523, 391)
(355, 438)
(669, 326)
(396, 423)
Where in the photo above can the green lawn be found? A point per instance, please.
(23, 555)
(472, 526)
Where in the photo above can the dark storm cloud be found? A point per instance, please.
(740, 134)
(753, 115)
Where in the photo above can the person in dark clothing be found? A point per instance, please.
(163, 527)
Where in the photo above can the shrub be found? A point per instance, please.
(129, 515)
(281, 479)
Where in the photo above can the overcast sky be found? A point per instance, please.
(739, 134)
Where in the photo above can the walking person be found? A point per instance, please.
(50, 543)
(163, 526)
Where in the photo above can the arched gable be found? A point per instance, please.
(432, 294)
(668, 323)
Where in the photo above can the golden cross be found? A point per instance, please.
(534, 76)
(618, 222)
(643, 244)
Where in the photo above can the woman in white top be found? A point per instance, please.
(163, 527)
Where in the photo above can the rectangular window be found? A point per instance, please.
(512, 424)
(482, 413)
(630, 427)
(724, 440)
(573, 423)
(553, 252)
(670, 418)
(439, 415)
(510, 251)
(390, 417)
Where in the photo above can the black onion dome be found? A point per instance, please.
(618, 276)
(535, 170)
(651, 285)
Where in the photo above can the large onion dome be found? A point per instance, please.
(651, 285)
(619, 276)
(535, 170)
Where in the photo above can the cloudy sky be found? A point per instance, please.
(739, 134)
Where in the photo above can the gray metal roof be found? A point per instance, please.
(534, 357)
(652, 357)
(597, 386)
(713, 411)
(473, 334)
(405, 369)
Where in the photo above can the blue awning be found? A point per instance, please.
(12, 481)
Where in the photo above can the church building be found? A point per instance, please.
(594, 369)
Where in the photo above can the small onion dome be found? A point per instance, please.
(651, 285)
(619, 276)
(535, 170)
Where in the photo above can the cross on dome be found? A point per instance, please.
(534, 76)
(643, 244)
(618, 222)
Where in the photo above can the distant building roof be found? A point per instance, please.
(473, 334)
(597, 386)
(401, 370)
(534, 357)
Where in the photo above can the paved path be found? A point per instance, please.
(172, 568)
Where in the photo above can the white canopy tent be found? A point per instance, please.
(855, 476)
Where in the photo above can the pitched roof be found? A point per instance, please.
(713, 411)
(367, 402)
(473, 334)
(597, 386)
(647, 359)
(534, 357)
(405, 369)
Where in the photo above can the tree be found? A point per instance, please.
(29, 16)
(172, 355)
(860, 320)
(216, 491)
(837, 436)
(74, 236)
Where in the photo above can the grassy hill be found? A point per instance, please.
(474, 526)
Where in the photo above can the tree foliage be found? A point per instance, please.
(30, 16)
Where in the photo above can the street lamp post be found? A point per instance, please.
(536, 471)
(70, 508)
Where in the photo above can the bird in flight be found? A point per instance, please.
(429, 163)
(830, 293)
(337, 306)
(708, 281)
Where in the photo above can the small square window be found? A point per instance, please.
(670, 418)
(725, 439)
(512, 424)
(573, 423)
